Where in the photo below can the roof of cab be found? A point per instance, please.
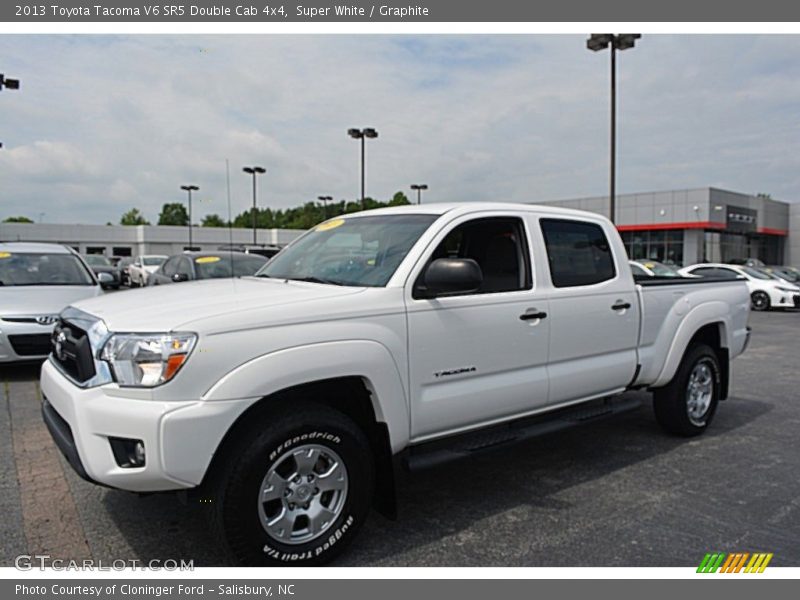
(34, 248)
(440, 208)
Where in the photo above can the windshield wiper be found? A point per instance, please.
(315, 280)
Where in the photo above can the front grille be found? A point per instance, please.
(72, 351)
(36, 344)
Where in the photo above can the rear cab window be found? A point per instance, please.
(578, 253)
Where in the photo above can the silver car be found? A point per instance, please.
(37, 281)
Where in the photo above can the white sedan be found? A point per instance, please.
(142, 267)
(765, 291)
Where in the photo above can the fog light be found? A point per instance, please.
(128, 453)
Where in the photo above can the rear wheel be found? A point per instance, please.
(760, 301)
(687, 404)
(297, 492)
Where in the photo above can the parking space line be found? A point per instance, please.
(49, 516)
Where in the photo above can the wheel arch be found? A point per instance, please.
(712, 330)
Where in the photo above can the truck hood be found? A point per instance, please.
(196, 305)
(32, 300)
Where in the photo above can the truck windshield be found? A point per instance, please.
(356, 251)
(42, 269)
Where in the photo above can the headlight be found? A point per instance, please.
(147, 359)
(788, 290)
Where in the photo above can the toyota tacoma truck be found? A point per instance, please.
(288, 402)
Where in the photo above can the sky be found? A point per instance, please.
(104, 123)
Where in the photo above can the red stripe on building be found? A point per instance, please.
(771, 231)
(687, 225)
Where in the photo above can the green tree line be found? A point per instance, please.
(300, 217)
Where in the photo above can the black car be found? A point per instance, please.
(100, 264)
(191, 266)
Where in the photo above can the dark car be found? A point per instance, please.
(191, 266)
(100, 264)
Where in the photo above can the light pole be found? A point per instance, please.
(418, 187)
(190, 189)
(595, 43)
(362, 134)
(11, 84)
(325, 200)
(254, 171)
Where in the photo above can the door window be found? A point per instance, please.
(498, 245)
(578, 253)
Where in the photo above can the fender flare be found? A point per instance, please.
(709, 313)
(371, 361)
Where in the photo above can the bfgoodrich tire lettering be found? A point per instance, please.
(259, 484)
(687, 404)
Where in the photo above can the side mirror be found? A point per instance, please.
(178, 277)
(105, 279)
(451, 276)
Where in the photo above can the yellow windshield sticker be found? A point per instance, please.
(328, 225)
(5, 254)
(649, 265)
(206, 259)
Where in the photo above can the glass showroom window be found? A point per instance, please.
(660, 245)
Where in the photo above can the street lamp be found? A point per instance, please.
(11, 84)
(190, 189)
(325, 200)
(254, 171)
(418, 187)
(595, 43)
(362, 134)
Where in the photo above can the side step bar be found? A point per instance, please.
(430, 454)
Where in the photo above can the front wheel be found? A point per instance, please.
(298, 492)
(686, 405)
(760, 301)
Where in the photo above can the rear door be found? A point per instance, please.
(479, 356)
(594, 322)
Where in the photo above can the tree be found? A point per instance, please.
(133, 217)
(17, 220)
(173, 213)
(399, 199)
(214, 220)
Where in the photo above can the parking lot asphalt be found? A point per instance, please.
(612, 493)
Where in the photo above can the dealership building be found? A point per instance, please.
(135, 240)
(704, 224)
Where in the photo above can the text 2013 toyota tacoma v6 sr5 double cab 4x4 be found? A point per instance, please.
(400, 336)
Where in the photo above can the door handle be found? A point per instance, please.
(621, 306)
(529, 316)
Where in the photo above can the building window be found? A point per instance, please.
(95, 249)
(664, 246)
(120, 251)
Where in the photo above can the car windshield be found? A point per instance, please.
(661, 270)
(756, 274)
(96, 260)
(153, 261)
(42, 269)
(356, 251)
(216, 267)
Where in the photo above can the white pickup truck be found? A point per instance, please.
(285, 402)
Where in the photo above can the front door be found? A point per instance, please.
(482, 356)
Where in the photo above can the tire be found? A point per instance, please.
(265, 466)
(760, 301)
(687, 404)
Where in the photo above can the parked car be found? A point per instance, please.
(37, 281)
(191, 266)
(766, 291)
(747, 262)
(400, 336)
(123, 264)
(790, 274)
(652, 268)
(143, 266)
(100, 264)
(265, 250)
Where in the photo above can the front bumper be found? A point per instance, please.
(24, 341)
(180, 438)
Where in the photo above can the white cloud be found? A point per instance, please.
(103, 123)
